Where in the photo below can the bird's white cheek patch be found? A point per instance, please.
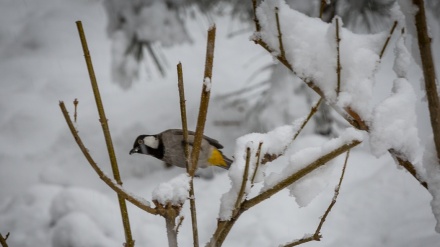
(151, 141)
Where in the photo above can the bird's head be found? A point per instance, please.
(145, 144)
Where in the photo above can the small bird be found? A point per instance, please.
(169, 147)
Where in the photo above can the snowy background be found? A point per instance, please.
(49, 195)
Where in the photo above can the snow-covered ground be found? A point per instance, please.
(49, 195)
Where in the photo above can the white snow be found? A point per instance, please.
(403, 58)
(40, 164)
(303, 158)
(207, 83)
(310, 47)
(394, 123)
(175, 191)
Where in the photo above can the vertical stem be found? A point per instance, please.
(280, 34)
(338, 59)
(428, 72)
(170, 223)
(108, 140)
(186, 149)
(204, 101)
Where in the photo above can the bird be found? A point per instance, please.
(168, 146)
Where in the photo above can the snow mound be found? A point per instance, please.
(175, 191)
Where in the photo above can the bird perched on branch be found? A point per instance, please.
(169, 145)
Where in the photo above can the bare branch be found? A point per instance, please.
(321, 9)
(257, 164)
(428, 73)
(111, 183)
(204, 101)
(244, 180)
(75, 104)
(186, 149)
(108, 140)
(3, 240)
(338, 59)
(382, 52)
(256, 21)
(179, 223)
(280, 34)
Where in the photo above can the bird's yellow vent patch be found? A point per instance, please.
(216, 158)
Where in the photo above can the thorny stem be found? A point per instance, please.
(382, 52)
(338, 59)
(224, 227)
(186, 149)
(110, 182)
(3, 240)
(317, 235)
(428, 73)
(105, 128)
(351, 116)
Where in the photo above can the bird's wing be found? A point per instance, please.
(191, 135)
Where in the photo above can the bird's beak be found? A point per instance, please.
(134, 150)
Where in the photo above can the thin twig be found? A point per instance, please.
(428, 73)
(110, 182)
(256, 21)
(107, 135)
(3, 240)
(272, 157)
(186, 149)
(75, 104)
(204, 101)
(338, 59)
(257, 163)
(313, 110)
(155, 58)
(382, 52)
(280, 34)
(244, 180)
(317, 235)
(108, 140)
(223, 227)
(179, 223)
(321, 9)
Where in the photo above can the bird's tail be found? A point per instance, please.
(217, 158)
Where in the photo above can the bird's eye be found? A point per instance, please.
(140, 141)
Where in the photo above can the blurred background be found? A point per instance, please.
(49, 195)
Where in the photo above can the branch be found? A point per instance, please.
(338, 58)
(108, 140)
(353, 118)
(257, 164)
(186, 149)
(313, 110)
(244, 180)
(3, 240)
(256, 21)
(321, 8)
(111, 183)
(224, 227)
(428, 73)
(170, 213)
(75, 104)
(204, 101)
(388, 39)
(317, 235)
(280, 34)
